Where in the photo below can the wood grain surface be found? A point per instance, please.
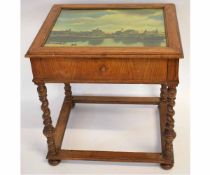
(100, 70)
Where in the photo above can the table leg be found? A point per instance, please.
(163, 109)
(68, 93)
(48, 130)
(169, 133)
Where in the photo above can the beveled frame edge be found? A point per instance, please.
(173, 50)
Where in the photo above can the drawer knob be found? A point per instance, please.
(103, 68)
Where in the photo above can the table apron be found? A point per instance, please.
(58, 70)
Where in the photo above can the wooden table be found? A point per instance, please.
(118, 43)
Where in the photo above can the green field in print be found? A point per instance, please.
(114, 28)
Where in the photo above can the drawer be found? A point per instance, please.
(100, 70)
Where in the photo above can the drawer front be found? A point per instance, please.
(100, 70)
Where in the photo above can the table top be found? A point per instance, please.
(108, 30)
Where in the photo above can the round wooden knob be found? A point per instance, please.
(103, 68)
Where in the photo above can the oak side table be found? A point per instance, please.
(115, 43)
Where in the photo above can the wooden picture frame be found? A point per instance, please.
(173, 49)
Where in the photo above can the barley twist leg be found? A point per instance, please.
(48, 130)
(169, 133)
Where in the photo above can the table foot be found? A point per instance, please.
(166, 166)
(54, 162)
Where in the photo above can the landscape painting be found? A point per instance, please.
(108, 28)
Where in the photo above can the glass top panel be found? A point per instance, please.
(108, 28)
